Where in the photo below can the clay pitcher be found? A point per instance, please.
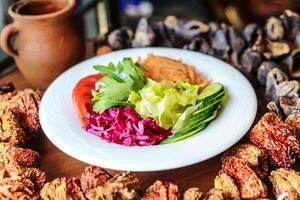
(48, 39)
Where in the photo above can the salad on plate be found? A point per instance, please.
(154, 101)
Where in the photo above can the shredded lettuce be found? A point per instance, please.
(164, 101)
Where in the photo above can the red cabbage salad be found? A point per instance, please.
(128, 108)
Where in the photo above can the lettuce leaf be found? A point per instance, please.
(164, 101)
(116, 86)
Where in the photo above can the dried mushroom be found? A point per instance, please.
(92, 177)
(162, 191)
(253, 34)
(286, 181)
(292, 62)
(164, 36)
(198, 44)
(277, 138)
(250, 61)
(256, 157)
(21, 156)
(249, 185)
(188, 30)
(263, 70)
(63, 189)
(18, 188)
(123, 186)
(227, 185)
(276, 50)
(290, 105)
(214, 194)
(11, 132)
(291, 22)
(120, 38)
(193, 193)
(274, 29)
(274, 78)
(144, 35)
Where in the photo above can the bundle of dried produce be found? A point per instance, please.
(294, 121)
(256, 157)
(162, 191)
(193, 193)
(286, 182)
(18, 188)
(123, 186)
(92, 177)
(11, 131)
(226, 184)
(62, 188)
(27, 102)
(277, 138)
(20, 156)
(36, 176)
(248, 183)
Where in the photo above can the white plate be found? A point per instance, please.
(62, 126)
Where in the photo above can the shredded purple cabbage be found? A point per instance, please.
(123, 125)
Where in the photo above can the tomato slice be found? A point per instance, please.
(82, 94)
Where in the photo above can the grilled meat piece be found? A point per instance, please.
(162, 191)
(227, 185)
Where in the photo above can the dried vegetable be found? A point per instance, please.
(246, 169)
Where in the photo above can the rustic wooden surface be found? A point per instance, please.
(57, 164)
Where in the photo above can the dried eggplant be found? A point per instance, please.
(274, 78)
(188, 30)
(253, 34)
(198, 44)
(292, 62)
(236, 40)
(276, 50)
(144, 35)
(274, 29)
(263, 70)
(250, 61)
(291, 22)
(120, 38)
(165, 36)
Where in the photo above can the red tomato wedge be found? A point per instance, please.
(82, 94)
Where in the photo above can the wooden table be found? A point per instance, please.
(57, 164)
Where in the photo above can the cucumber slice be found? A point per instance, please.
(212, 90)
(193, 125)
(181, 137)
(207, 107)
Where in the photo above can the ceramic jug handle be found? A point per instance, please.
(5, 36)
